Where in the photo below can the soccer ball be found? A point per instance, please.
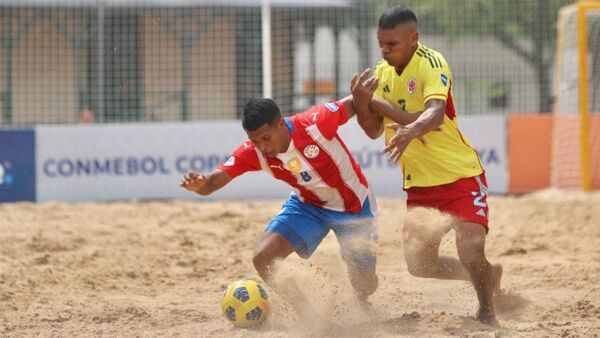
(245, 303)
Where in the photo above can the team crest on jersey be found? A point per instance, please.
(411, 86)
(294, 165)
(444, 79)
(332, 106)
(311, 151)
(230, 162)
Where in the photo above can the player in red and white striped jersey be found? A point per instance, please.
(330, 192)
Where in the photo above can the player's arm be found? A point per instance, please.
(363, 87)
(431, 118)
(205, 184)
(371, 119)
(383, 108)
(371, 123)
(348, 103)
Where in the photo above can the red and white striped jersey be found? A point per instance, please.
(317, 165)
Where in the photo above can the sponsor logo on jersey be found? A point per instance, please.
(332, 106)
(411, 86)
(444, 79)
(311, 151)
(294, 165)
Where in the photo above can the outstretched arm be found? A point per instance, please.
(205, 184)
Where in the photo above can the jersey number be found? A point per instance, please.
(305, 176)
(402, 104)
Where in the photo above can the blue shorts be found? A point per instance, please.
(305, 226)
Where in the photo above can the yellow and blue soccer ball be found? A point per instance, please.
(245, 303)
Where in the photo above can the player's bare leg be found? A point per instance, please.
(498, 270)
(470, 242)
(270, 247)
(359, 251)
(364, 282)
(422, 256)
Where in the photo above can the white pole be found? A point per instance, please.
(266, 48)
(100, 51)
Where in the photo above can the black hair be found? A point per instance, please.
(396, 15)
(259, 112)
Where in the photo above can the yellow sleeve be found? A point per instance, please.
(437, 81)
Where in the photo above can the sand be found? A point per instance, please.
(159, 269)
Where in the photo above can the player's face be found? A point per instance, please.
(270, 139)
(398, 44)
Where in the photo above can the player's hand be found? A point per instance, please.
(193, 181)
(401, 139)
(398, 143)
(363, 87)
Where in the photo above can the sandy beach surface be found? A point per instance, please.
(159, 268)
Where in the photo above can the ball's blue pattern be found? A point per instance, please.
(241, 293)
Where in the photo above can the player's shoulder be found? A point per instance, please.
(382, 63)
(246, 148)
(382, 67)
(303, 117)
(248, 145)
(246, 155)
(310, 115)
(430, 58)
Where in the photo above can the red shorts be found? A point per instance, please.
(465, 199)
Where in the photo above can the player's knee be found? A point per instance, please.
(473, 262)
(262, 262)
(418, 268)
(471, 251)
(471, 257)
(416, 265)
(470, 237)
(415, 255)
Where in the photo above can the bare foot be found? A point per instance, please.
(487, 317)
(364, 303)
(486, 314)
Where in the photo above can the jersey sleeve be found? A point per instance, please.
(437, 80)
(329, 117)
(243, 159)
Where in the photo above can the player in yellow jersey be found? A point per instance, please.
(411, 95)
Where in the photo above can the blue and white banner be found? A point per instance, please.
(147, 161)
(17, 165)
(140, 161)
(488, 133)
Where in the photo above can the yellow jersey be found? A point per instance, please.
(447, 154)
